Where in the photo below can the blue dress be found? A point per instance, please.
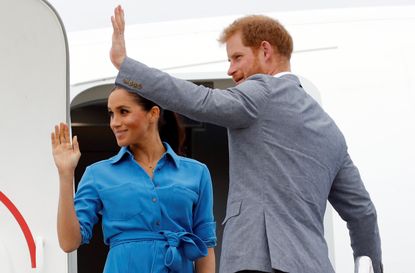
(151, 225)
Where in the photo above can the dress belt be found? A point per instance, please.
(191, 246)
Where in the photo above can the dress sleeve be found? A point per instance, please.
(204, 225)
(87, 205)
(350, 199)
(235, 107)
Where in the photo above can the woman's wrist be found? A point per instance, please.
(65, 175)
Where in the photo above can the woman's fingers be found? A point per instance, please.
(56, 135)
(66, 133)
(53, 141)
(65, 152)
(60, 134)
(75, 144)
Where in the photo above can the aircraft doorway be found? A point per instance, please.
(204, 142)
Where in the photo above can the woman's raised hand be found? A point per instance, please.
(65, 153)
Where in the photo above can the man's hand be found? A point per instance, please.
(118, 51)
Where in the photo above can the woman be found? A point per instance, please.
(156, 206)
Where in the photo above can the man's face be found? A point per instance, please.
(243, 61)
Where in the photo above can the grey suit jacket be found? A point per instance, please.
(287, 158)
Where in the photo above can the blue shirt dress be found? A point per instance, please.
(154, 225)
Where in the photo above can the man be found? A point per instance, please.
(287, 156)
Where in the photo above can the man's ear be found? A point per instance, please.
(267, 50)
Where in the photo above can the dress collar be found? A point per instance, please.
(125, 150)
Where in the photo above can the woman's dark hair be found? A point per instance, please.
(170, 125)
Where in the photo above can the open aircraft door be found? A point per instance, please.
(34, 77)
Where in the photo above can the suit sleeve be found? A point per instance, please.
(350, 199)
(234, 108)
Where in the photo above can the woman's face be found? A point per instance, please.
(129, 121)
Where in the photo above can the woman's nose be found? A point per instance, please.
(115, 121)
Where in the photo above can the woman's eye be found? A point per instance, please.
(110, 114)
(123, 111)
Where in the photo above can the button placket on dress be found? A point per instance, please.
(155, 186)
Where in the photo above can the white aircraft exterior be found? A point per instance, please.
(361, 60)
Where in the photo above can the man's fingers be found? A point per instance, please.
(114, 25)
(119, 19)
(122, 17)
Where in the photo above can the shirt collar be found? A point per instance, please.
(278, 75)
(171, 154)
(289, 75)
(125, 150)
